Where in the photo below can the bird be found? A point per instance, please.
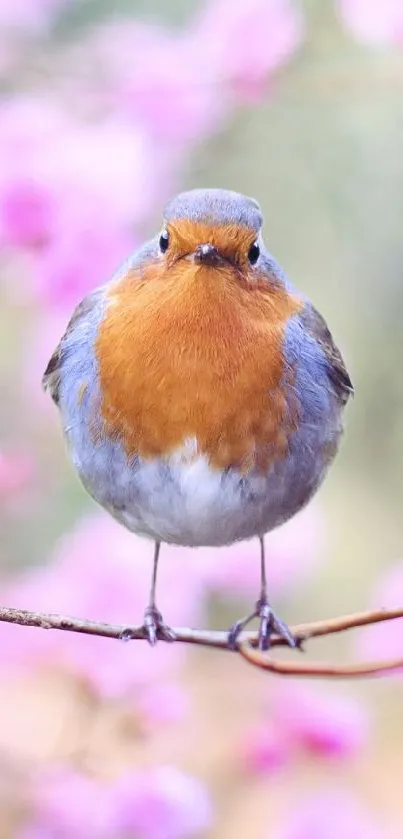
(200, 393)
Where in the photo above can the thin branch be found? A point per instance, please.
(218, 639)
(203, 637)
(316, 669)
(329, 626)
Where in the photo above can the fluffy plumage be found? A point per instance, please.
(201, 404)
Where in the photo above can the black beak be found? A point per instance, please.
(207, 255)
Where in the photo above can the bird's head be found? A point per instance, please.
(212, 230)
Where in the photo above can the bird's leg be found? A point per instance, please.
(154, 626)
(269, 622)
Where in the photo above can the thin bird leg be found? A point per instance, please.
(153, 589)
(154, 626)
(269, 622)
(263, 580)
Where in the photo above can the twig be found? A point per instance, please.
(329, 626)
(123, 632)
(218, 639)
(316, 669)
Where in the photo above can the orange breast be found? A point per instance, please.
(189, 352)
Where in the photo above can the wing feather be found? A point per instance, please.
(337, 370)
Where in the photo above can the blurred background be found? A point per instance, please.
(106, 110)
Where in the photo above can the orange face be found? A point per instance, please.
(232, 242)
(194, 351)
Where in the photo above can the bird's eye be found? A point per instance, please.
(254, 253)
(164, 241)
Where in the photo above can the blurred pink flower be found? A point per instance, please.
(292, 552)
(304, 719)
(102, 572)
(384, 640)
(243, 43)
(161, 803)
(181, 87)
(71, 174)
(266, 748)
(332, 814)
(163, 702)
(169, 89)
(73, 192)
(16, 473)
(85, 255)
(33, 15)
(323, 723)
(374, 22)
(28, 213)
(157, 803)
(107, 166)
(30, 128)
(68, 804)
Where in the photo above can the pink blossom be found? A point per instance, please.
(385, 640)
(170, 89)
(33, 15)
(320, 722)
(83, 256)
(64, 171)
(29, 129)
(67, 803)
(246, 41)
(28, 213)
(73, 192)
(301, 719)
(266, 748)
(374, 22)
(292, 554)
(181, 86)
(332, 814)
(16, 473)
(157, 803)
(162, 703)
(102, 572)
(107, 165)
(162, 803)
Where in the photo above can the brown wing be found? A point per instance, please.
(338, 374)
(51, 376)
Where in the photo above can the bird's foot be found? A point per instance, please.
(270, 624)
(154, 627)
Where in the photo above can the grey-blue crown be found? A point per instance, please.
(217, 206)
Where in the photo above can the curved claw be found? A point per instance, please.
(154, 627)
(270, 624)
(235, 631)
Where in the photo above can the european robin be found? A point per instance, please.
(200, 394)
